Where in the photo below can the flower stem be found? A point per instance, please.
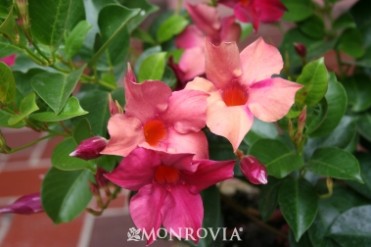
(27, 145)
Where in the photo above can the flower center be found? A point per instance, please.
(234, 95)
(166, 175)
(154, 131)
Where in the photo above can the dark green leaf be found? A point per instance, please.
(298, 10)
(76, 38)
(299, 205)
(269, 198)
(153, 67)
(344, 21)
(279, 159)
(82, 131)
(8, 26)
(364, 189)
(364, 125)
(4, 120)
(171, 27)
(145, 10)
(313, 27)
(336, 163)
(7, 84)
(358, 89)
(351, 43)
(62, 86)
(65, 194)
(27, 106)
(353, 227)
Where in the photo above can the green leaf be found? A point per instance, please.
(358, 89)
(314, 77)
(260, 130)
(145, 10)
(153, 67)
(171, 27)
(313, 27)
(364, 189)
(299, 205)
(27, 106)
(7, 84)
(112, 21)
(144, 55)
(82, 131)
(297, 10)
(72, 109)
(65, 195)
(336, 163)
(268, 199)
(62, 160)
(51, 18)
(353, 227)
(4, 120)
(345, 21)
(8, 26)
(279, 159)
(76, 38)
(62, 86)
(336, 99)
(364, 125)
(351, 43)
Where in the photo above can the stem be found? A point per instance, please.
(251, 215)
(16, 149)
(106, 204)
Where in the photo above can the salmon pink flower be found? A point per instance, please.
(168, 188)
(256, 11)
(241, 86)
(9, 60)
(253, 170)
(157, 118)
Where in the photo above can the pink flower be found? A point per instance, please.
(27, 204)
(90, 148)
(168, 188)
(241, 86)
(9, 60)
(208, 23)
(256, 11)
(253, 170)
(159, 119)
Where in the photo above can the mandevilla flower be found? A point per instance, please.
(157, 118)
(241, 86)
(90, 148)
(27, 204)
(9, 60)
(256, 11)
(168, 188)
(253, 170)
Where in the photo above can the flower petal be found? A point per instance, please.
(269, 10)
(181, 161)
(260, 61)
(271, 99)
(209, 172)
(136, 170)
(187, 111)
(146, 209)
(222, 63)
(140, 102)
(189, 38)
(125, 132)
(182, 210)
(192, 63)
(231, 122)
(201, 84)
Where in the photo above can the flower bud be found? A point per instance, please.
(300, 49)
(27, 204)
(253, 170)
(9, 60)
(90, 148)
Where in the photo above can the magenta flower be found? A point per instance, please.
(256, 11)
(90, 148)
(208, 24)
(241, 86)
(253, 170)
(27, 204)
(157, 118)
(9, 60)
(168, 188)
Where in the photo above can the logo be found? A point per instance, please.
(133, 234)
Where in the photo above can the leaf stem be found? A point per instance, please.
(27, 145)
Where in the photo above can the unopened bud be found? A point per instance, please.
(300, 49)
(253, 170)
(9, 60)
(27, 204)
(90, 148)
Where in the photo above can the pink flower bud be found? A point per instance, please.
(300, 49)
(27, 204)
(253, 170)
(9, 60)
(90, 148)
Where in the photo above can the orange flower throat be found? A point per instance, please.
(154, 131)
(166, 175)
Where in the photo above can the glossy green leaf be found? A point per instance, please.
(171, 27)
(336, 163)
(313, 27)
(8, 26)
(82, 131)
(72, 109)
(62, 86)
(298, 10)
(314, 77)
(4, 120)
(353, 227)
(364, 125)
(351, 43)
(268, 199)
(65, 194)
(260, 130)
(358, 89)
(337, 101)
(279, 159)
(364, 189)
(345, 21)
(76, 38)
(112, 21)
(27, 106)
(153, 67)
(62, 160)
(145, 7)
(51, 18)
(144, 55)
(299, 205)
(7, 84)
